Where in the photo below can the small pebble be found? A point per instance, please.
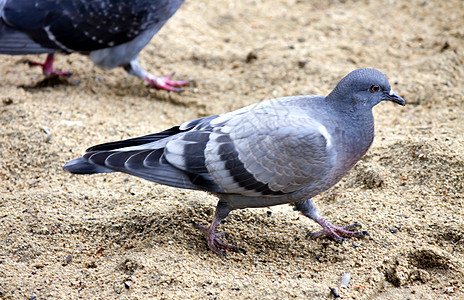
(7, 101)
(302, 63)
(393, 230)
(251, 57)
(68, 259)
(46, 130)
(446, 46)
(345, 280)
(334, 292)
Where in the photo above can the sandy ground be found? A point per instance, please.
(118, 237)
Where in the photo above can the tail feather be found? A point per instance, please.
(143, 141)
(15, 42)
(82, 166)
(145, 157)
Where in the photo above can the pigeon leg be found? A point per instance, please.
(308, 209)
(335, 232)
(211, 234)
(165, 82)
(162, 82)
(47, 66)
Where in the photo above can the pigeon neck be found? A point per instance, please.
(346, 104)
(355, 129)
(358, 137)
(339, 100)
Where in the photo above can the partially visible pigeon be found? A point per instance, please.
(284, 150)
(111, 32)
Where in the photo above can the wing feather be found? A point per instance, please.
(272, 150)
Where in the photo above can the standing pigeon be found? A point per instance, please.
(284, 150)
(111, 32)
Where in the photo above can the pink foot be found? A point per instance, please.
(47, 67)
(214, 242)
(165, 82)
(337, 233)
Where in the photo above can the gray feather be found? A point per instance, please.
(82, 166)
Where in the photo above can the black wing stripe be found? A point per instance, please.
(194, 152)
(237, 170)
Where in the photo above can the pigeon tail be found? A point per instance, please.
(15, 42)
(81, 166)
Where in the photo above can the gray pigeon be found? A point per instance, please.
(111, 32)
(284, 150)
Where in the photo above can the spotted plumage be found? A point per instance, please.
(111, 32)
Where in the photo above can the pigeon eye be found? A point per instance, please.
(374, 88)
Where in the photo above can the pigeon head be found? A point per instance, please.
(362, 89)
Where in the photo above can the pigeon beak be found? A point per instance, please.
(392, 96)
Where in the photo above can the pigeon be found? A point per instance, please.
(110, 32)
(284, 150)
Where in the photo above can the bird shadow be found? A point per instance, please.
(49, 81)
(123, 88)
(139, 90)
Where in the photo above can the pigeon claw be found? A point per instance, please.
(337, 233)
(214, 243)
(165, 83)
(47, 67)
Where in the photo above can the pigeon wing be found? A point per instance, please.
(272, 150)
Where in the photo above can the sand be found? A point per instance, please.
(113, 236)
